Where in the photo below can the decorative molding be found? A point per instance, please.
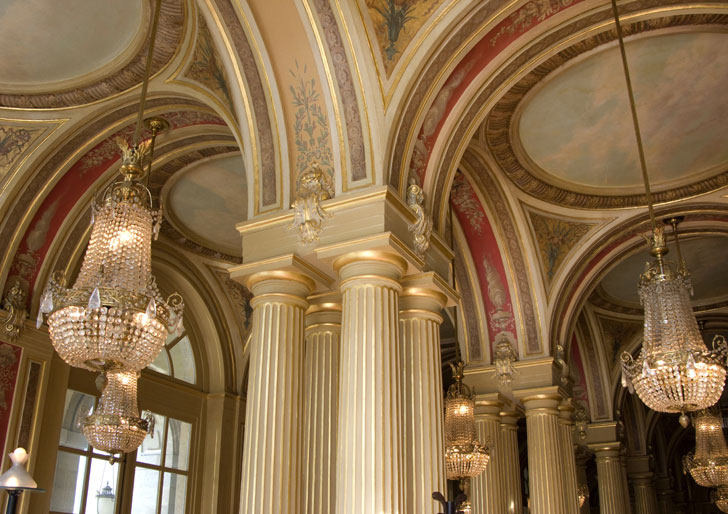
(551, 40)
(499, 129)
(169, 35)
(264, 130)
(512, 240)
(206, 67)
(347, 90)
(14, 316)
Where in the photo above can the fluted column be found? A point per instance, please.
(321, 397)
(422, 409)
(612, 499)
(644, 494)
(369, 477)
(581, 459)
(271, 457)
(545, 463)
(625, 483)
(487, 487)
(566, 412)
(510, 462)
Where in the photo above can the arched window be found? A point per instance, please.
(177, 359)
(157, 478)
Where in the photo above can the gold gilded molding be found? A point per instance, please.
(438, 296)
(262, 276)
(371, 255)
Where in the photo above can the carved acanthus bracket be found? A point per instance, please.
(14, 317)
(313, 187)
(505, 356)
(422, 227)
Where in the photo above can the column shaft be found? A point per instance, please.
(510, 463)
(369, 458)
(422, 409)
(321, 396)
(545, 463)
(271, 456)
(644, 495)
(488, 487)
(567, 450)
(612, 499)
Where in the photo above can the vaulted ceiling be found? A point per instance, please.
(518, 110)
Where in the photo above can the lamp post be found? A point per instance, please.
(17, 479)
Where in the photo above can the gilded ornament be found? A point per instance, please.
(14, 305)
(313, 187)
(422, 227)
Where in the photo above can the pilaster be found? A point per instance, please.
(321, 396)
(487, 488)
(510, 459)
(566, 412)
(612, 498)
(420, 305)
(545, 463)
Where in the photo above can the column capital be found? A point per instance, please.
(488, 407)
(540, 399)
(608, 450)
(566, 412)
(374, 264)
(300, 270)
(324, 312)
(509, 419)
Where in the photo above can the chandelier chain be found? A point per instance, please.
(147, 72)
(635, 122)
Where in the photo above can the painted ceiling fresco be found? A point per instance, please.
(61, 33)
(705, 258)
(577, 126)
(209, 198)
(395, 24)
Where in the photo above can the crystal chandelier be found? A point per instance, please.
(709, 465)
(674, 371)
(113, 319)
(465, 456)
(583, 494)
(720, 498)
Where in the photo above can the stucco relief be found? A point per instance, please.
(169, 33)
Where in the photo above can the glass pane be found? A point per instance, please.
(150, 452)
(78, 406)
(183, 360)
(146, 487)
(174, 494)
(161, 363)
(102, 487)
(68, 483)
(178, 444)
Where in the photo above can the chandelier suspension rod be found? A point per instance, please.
(147, 72)
(635, 122)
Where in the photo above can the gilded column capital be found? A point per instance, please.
(509, 419)
(489, 407)
(324, 312)
(546, 401)
(566, 412)
(607, 451)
